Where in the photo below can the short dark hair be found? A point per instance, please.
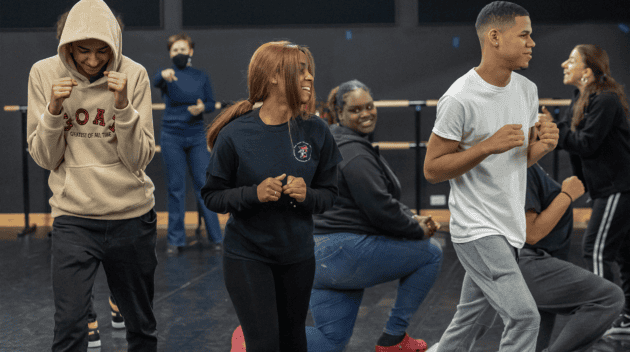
(177, 37)
(498, 13)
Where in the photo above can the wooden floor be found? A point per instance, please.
(193, 309)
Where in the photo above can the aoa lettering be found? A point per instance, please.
(81, 116)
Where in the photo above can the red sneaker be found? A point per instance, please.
(406, 345)
(238, 340)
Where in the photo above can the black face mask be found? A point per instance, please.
(181, 60)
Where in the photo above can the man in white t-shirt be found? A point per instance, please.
(478, 144)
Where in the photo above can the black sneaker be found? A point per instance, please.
(118, 322)
(94, 338)
(621, 325)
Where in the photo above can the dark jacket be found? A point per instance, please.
(369, 194)
(602, 140)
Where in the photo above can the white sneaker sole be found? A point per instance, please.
(118, 325)
(433, 348)
(614, 331)
(92, 344)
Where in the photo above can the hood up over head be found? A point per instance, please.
(91, 19)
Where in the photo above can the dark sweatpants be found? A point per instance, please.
(607, 240)
(126, 248)
(559, 287)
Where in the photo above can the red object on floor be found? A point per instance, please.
(238, 340)
(406, 345)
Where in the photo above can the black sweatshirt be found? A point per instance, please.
(602, 140)
(246, 152)
(369, 194)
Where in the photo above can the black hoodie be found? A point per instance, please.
(369, 194)
(602, 140)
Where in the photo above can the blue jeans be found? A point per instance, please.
(347, 264)
(186, 149)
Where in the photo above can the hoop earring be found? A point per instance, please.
(584, 80)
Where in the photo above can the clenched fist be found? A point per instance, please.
(506, 138)
(197, 109)
(270, 189)
(573, 186)
(547, 130)
(429, 227)
(117, 83)
(61, 90)
(549, 135)
(295, 188)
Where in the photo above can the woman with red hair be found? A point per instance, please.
(272, 168)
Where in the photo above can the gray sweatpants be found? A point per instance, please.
(493, 284)
(559, 287)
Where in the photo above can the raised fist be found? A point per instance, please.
(61, 90)
(573, 186)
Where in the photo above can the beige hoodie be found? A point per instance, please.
(97, 153)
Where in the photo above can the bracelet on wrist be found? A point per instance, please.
(568, 196)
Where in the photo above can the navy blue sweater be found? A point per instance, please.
(602, 140)
(191, 84)
(246, 152)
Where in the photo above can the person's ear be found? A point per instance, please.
(190, 52)
(588, 73)
(493, 36)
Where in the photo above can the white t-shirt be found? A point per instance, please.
(490, 198)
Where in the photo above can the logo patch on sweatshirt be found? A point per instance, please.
(82, 117)
(302, 151)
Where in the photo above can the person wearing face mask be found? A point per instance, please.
(597, 130)
(187, 94)
(90, 122)
(369, 237)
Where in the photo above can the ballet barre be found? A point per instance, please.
(378, 103)
(398, 145)
(417, 145)
(161, 106)
(404, 103)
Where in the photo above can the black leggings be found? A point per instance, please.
(271, 302)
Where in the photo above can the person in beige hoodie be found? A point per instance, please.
(90, 123)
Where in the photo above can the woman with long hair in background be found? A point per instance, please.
(598, 131)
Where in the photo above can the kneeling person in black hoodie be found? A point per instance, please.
(368, 237)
